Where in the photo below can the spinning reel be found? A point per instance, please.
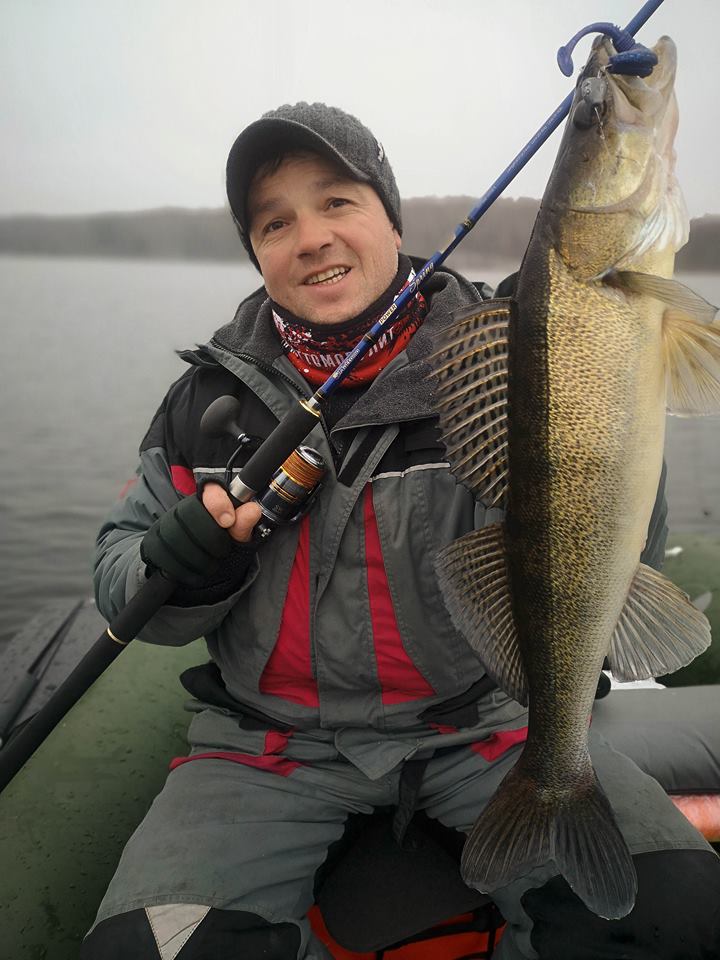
(293, 487)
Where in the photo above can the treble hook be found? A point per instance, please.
(632, 58)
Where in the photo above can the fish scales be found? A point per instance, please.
(552, 405)
(585, 388)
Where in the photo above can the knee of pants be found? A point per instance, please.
(675, 917)
(220, 935)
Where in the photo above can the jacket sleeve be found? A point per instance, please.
(119, 570)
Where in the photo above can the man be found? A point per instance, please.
(335, 666)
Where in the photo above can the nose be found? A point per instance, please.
(312, 234)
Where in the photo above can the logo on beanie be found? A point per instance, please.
(381, 152)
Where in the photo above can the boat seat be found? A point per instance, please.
(375, 896)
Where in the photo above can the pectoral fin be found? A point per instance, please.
(470, 366)
(473, 576)
(691, 342)
(692, 364)
(669, 291)
(659, 629)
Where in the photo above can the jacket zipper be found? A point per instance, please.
(278, 373)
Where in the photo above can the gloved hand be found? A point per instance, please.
(186, 543)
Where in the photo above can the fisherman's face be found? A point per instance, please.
(324, 242)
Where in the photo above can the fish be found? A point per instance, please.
(552, 407)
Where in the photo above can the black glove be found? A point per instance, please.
(186, 543)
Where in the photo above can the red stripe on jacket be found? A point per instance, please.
(400, 680)
(183, 479)
(494, 746)
(499, 743)
(275, 742)
(288, 672)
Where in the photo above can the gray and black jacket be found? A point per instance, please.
(370, 651)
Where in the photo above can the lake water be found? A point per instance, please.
(88, 353)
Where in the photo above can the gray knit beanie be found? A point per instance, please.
(325, 130)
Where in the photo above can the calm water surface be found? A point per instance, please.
(88, 355)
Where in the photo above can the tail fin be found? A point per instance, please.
(521, 829)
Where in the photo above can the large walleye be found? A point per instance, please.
(553, 404)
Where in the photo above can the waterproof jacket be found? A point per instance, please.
(339, 624)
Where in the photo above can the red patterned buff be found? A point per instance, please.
(317, 350)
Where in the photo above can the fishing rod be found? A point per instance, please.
(274, 457)
(297, 424)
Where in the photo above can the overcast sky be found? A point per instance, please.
(131, 104)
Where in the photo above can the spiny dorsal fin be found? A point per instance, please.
(470, 365)
(691, 342)
(659, 629)
(473, 577)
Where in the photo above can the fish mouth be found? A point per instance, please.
(626, 108)
(643, 94)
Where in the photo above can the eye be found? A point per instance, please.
(336, 202)
(273, 226)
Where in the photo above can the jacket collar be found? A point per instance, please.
(402, 391)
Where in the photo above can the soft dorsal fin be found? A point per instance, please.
(470, 365)
(658, 631)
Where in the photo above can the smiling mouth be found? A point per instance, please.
(327, 277)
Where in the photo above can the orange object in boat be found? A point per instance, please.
(703, 812)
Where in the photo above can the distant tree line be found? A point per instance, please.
(173, 234)
(501, 236)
